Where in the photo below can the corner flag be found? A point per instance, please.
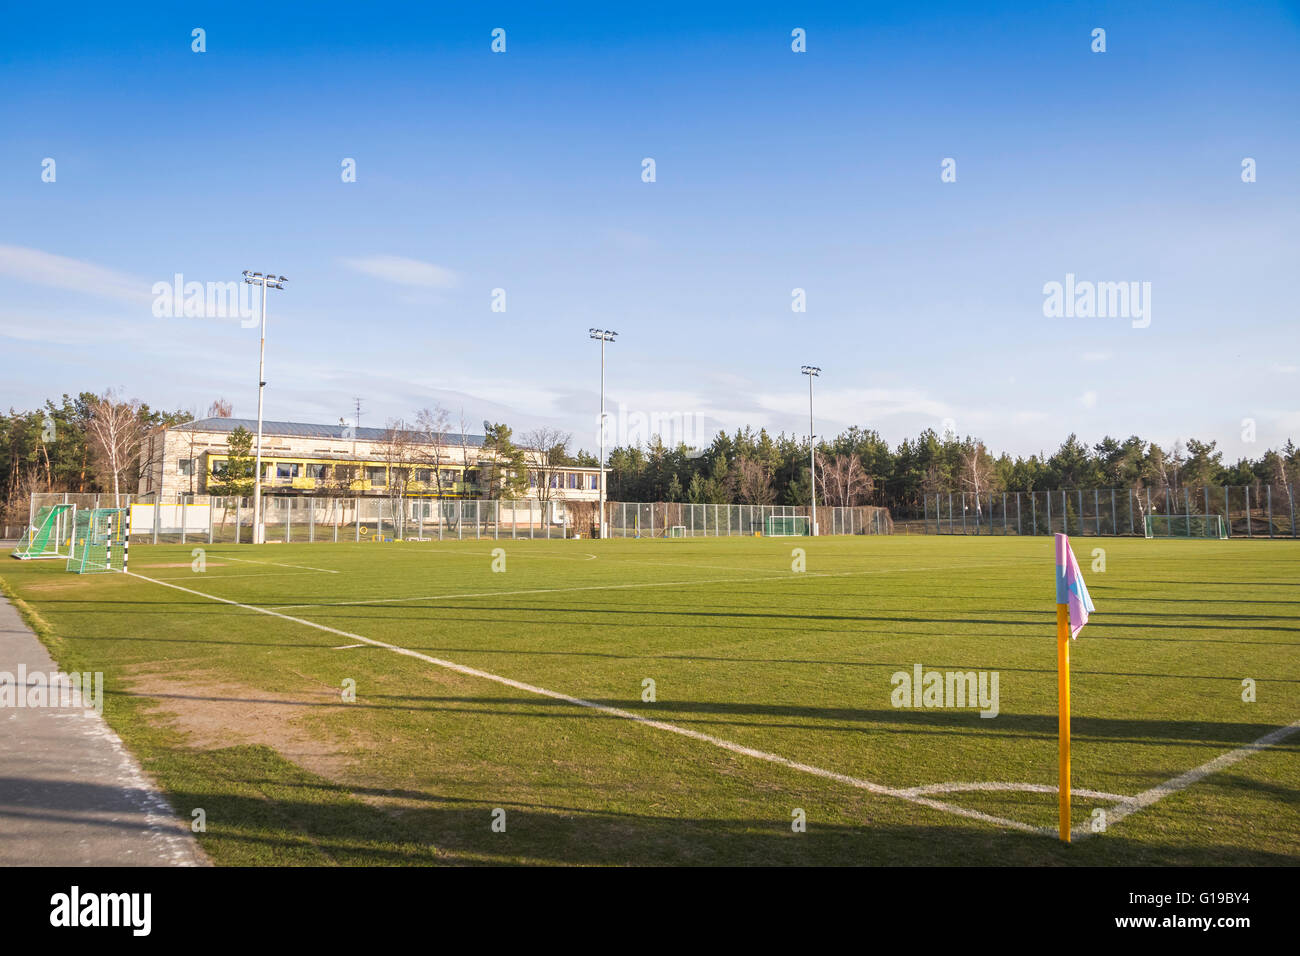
(1070, 589)
(1073, 605)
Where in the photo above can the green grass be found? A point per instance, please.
(239, 713)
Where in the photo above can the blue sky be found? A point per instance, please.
(774, 171)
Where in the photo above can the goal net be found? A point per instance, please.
(677, 531)
(1186, 526)
(98, 541)
(49, 535)
(780, 526)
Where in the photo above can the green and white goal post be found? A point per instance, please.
(1186, 526)
(785, 526)
(100, 541)
(677, 531)
(50, 534)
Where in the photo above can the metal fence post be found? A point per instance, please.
(1248, 531)
(1270, 511)
(1048, 495)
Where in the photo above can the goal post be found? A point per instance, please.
(49, 535)
(785, 526)
(1185, 526)
(677, 531)
(99, 541)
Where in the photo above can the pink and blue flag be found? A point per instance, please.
(1070, 588)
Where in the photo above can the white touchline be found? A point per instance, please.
(278, 564)
(1130, 805)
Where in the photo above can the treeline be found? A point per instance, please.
(90, 443)
(858, 467)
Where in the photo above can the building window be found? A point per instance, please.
(185, 466)
(595, 482)
(220, 467)
(555, 481)
(376, 477)
(317, 471)
(286, 469)
(345, 472)
(532, 479)
(573, 479)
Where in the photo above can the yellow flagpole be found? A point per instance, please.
(1063, 716)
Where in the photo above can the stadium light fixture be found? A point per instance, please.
(812, 371)
(265, 280)
(604, 335)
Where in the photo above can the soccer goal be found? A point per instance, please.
(99, 541)
(784, 526)
(677, 531)
(50, 534)
(1186, 526)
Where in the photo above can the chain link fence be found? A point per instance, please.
(1251, 511)
(182, 519)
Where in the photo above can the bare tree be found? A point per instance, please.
(976, 475)
(546, 455)
(753, 483)
(432, 426)
(115, 436)
(396, 450)
(220, 408)
(844, 480)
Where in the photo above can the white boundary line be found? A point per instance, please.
(1146, 798)
(616, 587)
(1127, 807)
(278, 564)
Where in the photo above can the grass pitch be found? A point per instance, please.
(780, 680)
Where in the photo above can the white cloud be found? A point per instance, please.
(404, 271)
(1088, 399)
(75, 275)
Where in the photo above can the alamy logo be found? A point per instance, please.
(133, 910)
(205, 300)
(38, 690)
(637, 428)
(1098, 300)
(930, 689)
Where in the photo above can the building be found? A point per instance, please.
(321, 460)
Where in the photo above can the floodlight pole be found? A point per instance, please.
(812, 371)
(605, 335)
(254, 278)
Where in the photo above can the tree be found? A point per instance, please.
(503, 467)
(220, 408)
(237, 478)
(396, 450)
(844, 480)
(115, 434)
(753, 484)
(433, 424)
(545, 456)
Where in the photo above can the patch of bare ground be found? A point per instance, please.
(214, 713)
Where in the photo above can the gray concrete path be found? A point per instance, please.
(70, 793)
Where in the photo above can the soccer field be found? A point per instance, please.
(519, 696)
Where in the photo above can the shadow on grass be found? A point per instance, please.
(264, 810)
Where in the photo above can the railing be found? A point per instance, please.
(184, 519)
(1250, 511)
